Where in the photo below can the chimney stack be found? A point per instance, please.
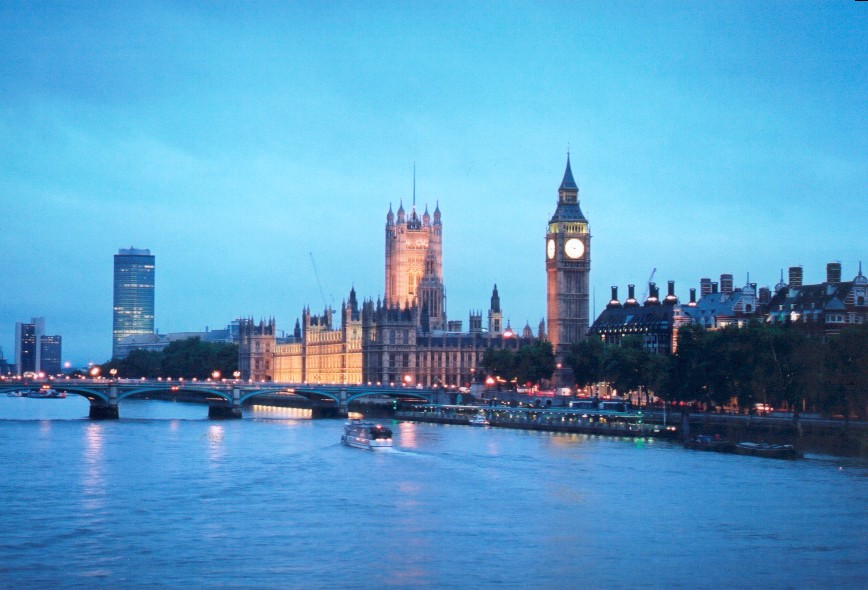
(704, 286)
(692, 296)
(765, 295)
(833, 273)
(713, 288)
(671, 299)
(614, 302)
(795, 276)
(631, 296)
(653, 295)
(726, 284)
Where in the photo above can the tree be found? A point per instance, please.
(585, 358)
(535, 362)
(499, 362)
(182, 358)
(623, 365)
(847, 363)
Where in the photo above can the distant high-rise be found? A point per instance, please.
(27, 348)
(133, 311)
(49, 354)
(34, 351)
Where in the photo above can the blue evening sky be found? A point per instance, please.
(235, 139)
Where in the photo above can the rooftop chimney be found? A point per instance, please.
(653, 293)
(692, 297)
(631, 296)
(795, 276)
(614, 302)
(765, 295)
(714, 288)
(671, 299)
(726, 284)
(704, 286)
(833, 273)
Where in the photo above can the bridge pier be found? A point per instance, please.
(343, 404)
(224, 412)
(103, 412)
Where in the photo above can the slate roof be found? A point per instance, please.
(568, 211)
(822, 296)
(638, 319)
(568, 183)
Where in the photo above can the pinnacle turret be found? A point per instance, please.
(568, 183)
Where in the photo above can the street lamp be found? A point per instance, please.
(236, 374)
(94, 373)
(113, 372)
(215, 375)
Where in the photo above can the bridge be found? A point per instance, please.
(224, 398)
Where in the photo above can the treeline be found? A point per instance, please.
(182, 358)
(779, 365)
(529, 364)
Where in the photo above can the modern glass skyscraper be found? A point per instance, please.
(49, 353)
(27, 337)
(35, 351)
(133, 295)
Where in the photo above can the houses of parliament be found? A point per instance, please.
(405, 337)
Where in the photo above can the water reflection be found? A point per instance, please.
(93, 483)
(216, 452)
(45, 427)
(408, 435)
(281, 412)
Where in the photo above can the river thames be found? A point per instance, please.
(166, 498)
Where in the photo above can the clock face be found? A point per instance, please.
(550, 249)
(574, 248)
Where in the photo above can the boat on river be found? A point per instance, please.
(768, 450)
(705, 442)
(479, 420)
(46, 393)
(366, 435)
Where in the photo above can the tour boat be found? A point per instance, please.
(704, 442)
(479, 420)
(366, 435)
(767, 450)
(46, 393)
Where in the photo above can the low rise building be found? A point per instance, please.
(822, 308)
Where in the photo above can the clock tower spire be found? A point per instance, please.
(568, 266)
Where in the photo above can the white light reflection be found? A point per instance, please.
(93, 492)
(215, 436)
(281, 412)
(408, 435)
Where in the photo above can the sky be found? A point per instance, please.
(255, 149)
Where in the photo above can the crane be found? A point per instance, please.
(648, 283)
(318, 282)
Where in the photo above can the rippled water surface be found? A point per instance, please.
(164, 497)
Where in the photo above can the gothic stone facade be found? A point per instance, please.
(568, 267)
(404, 338)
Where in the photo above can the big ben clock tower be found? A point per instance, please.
(568, 266)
